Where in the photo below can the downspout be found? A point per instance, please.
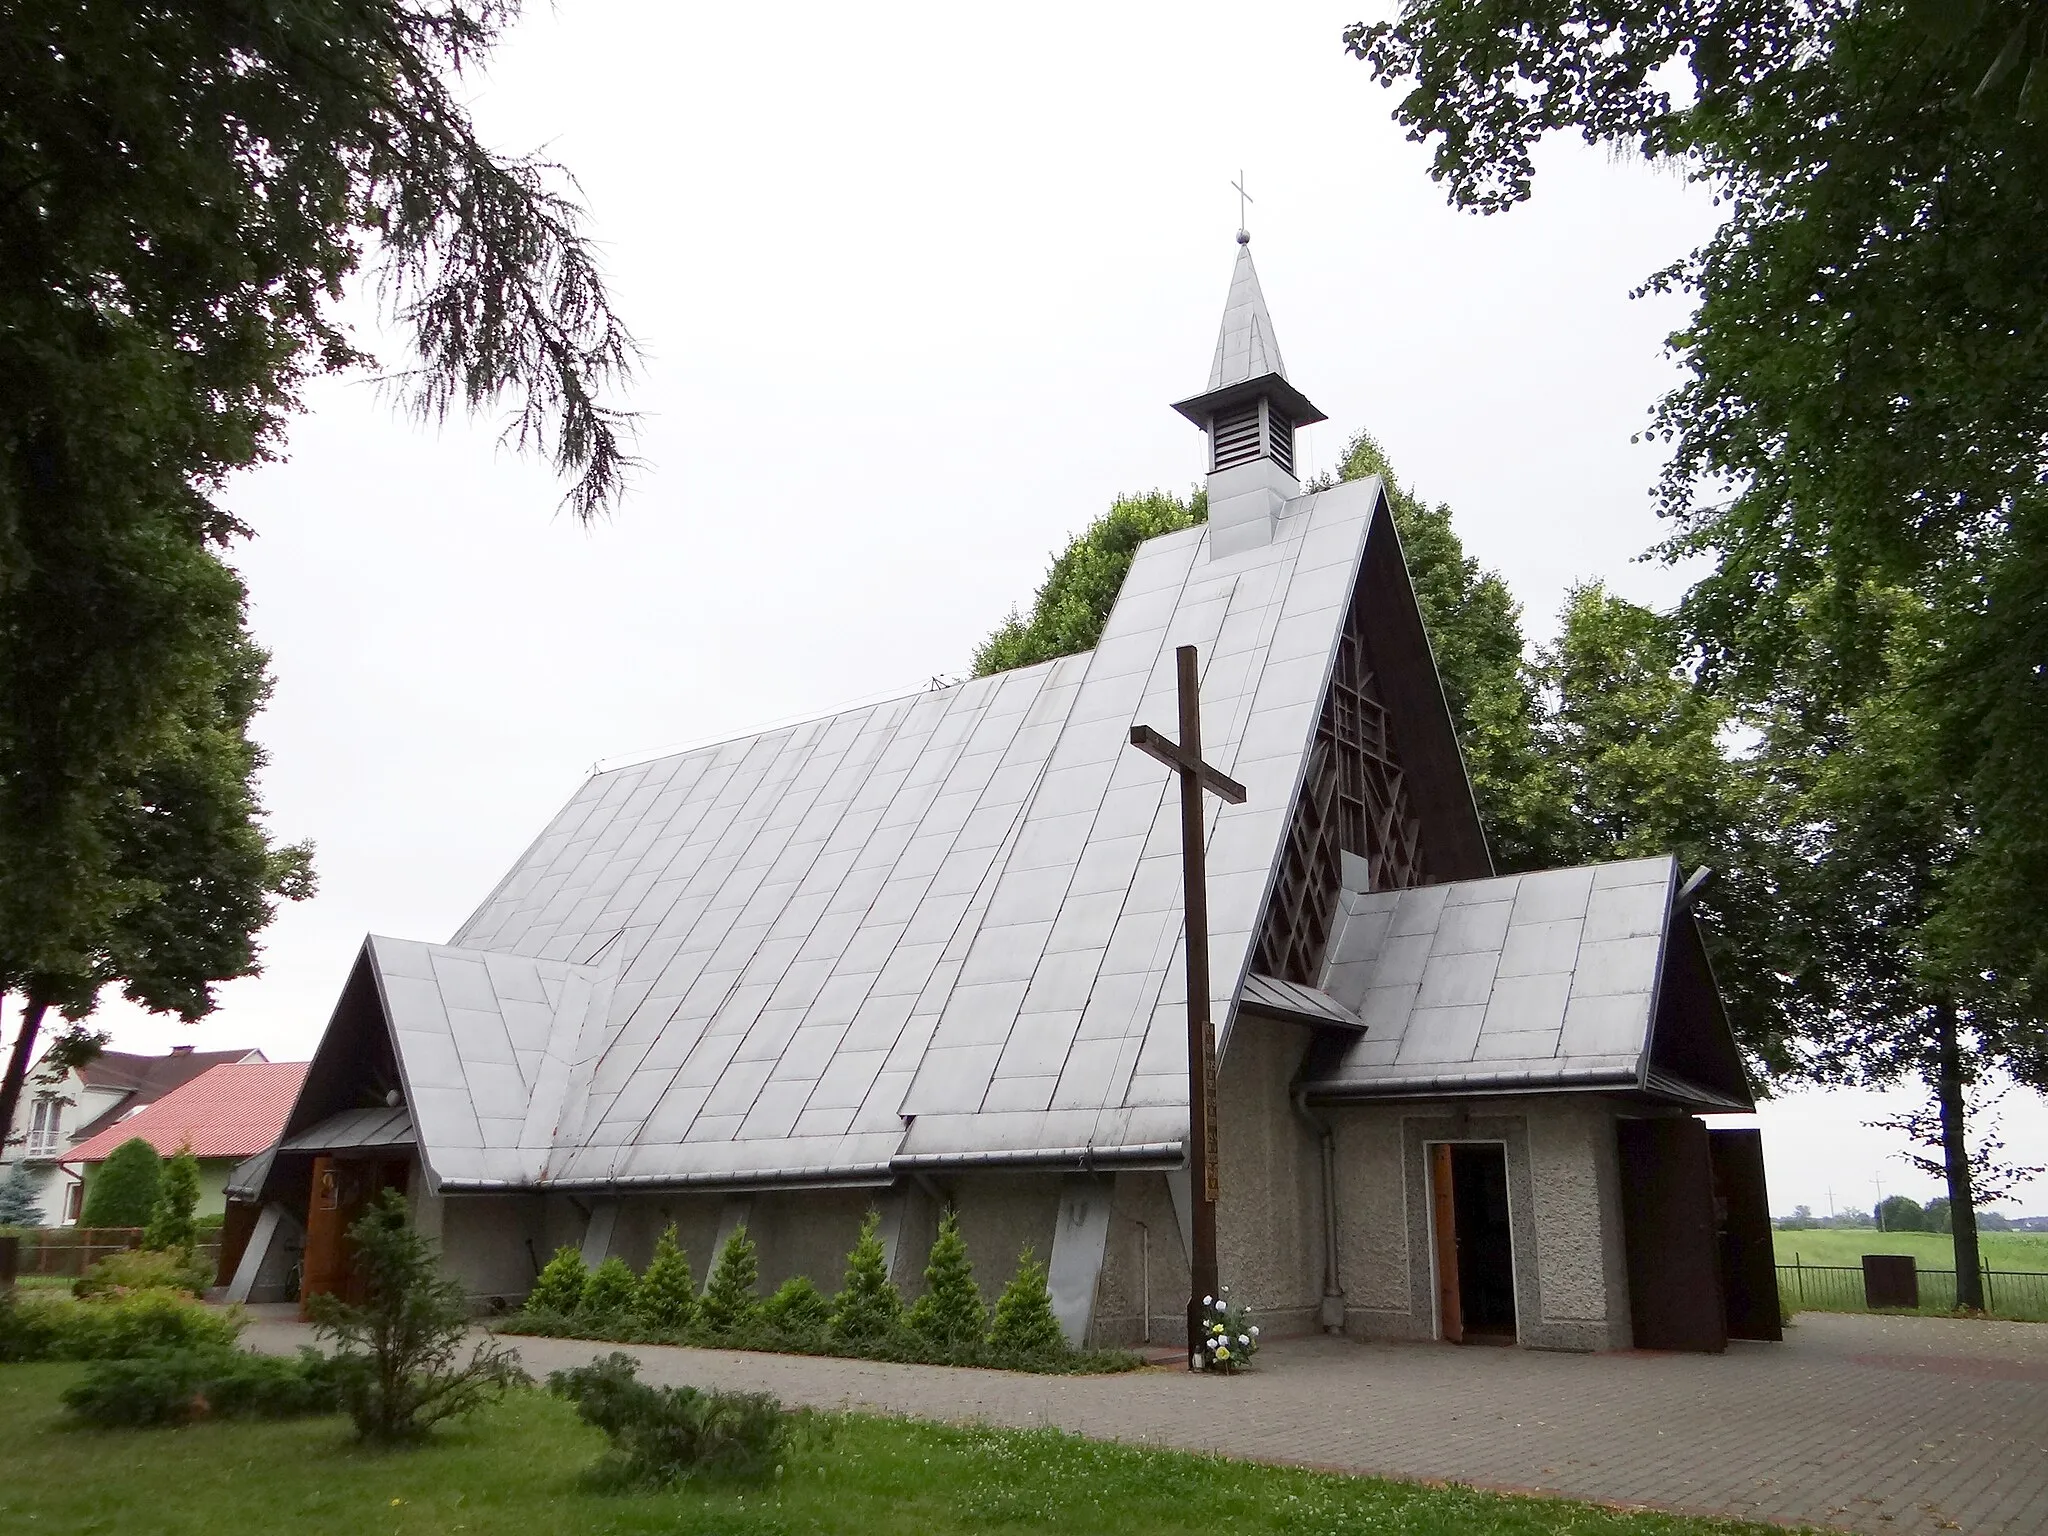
(1331, 1314)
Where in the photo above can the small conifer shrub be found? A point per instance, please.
(661, 1435)
(177, 1197)
(559, 1287)
(19, 1206)
(868, 1307)
(667, 1297)
(729, 1303)
(123, 1190)
(950, 1314)
(1024, 1326)
(798, 1309)
(610, 1289)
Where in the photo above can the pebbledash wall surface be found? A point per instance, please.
(931, 952)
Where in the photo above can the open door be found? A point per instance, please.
(1444, 1202)
(1742, 1210)
(1475, 1263)
(342, 1190)
(1674, 1253)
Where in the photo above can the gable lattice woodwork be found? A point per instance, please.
(1353, 800)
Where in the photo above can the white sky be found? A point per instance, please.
(916, 286)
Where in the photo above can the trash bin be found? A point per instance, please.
(1890, 1280)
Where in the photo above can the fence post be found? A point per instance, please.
(1990, 1301)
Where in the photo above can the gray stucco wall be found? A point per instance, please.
(1269, 1239)
(1571, 1283)
(1144, 1235)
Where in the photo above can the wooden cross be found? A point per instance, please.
(1184, 757)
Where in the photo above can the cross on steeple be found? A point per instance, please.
(1184, 757)
(1243, 234)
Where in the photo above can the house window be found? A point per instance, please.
(74, 1201)
(43, 1127)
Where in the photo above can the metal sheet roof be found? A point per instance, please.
(942, 927)
(357, 1129)
(1289, 1000)
(1519, 981)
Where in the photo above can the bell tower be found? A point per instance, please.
(1249, 413)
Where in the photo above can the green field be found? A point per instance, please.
(517, 1470)
(1933, 1250)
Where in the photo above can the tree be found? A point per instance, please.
(609, 1290)
(167, 873)
(1864, 404)
(184, 196)
(729, 1302)
(559, 1285)
(398, 1355)
(177, 1197)
(798, 1309)
(950, 1315)
(868, 1307)
(1475, 635)
(1900, 1213)
(667, 1297)
(1073, 604)
(19, 1206)
(123, 1192)
(1024, 1326)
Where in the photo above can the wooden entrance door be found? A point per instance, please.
(1742, 1209)
(342, 1189)
(1674, 1253)
(1443, 1190)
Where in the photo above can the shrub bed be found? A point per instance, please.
(866, 1320)
(166, 1388)
(112, 1327)
(662, 1435)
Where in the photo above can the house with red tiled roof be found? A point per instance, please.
(64, 1107)
(227, 1113)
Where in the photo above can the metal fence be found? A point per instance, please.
(2018, 1294)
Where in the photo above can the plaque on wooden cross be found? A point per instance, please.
(1184, 757)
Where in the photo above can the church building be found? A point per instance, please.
(930, 952)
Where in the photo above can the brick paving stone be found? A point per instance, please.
(1907, 1426)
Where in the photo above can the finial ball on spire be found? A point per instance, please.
(1244, 237)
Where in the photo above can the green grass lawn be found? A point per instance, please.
(517, 1470)
(1933, 1250)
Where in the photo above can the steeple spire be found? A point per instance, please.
(1249, 412)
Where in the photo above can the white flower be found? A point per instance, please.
(1255, 1328)
(1244, 1341)
(1219, 1306)
(1208, 1301)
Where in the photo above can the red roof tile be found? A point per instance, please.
(233, 1110)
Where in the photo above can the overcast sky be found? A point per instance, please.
(916, 286)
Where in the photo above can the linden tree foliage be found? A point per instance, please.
(1865, 400)
(1069, 610)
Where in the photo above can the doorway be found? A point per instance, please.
(342, 1190)
(1475, 1255)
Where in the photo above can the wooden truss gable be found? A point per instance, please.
(1385, 779)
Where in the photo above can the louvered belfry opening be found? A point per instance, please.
(1245, 432)
(1234, 437)
(1353, 800)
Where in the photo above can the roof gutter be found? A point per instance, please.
(1150, 1154)
(1444, 1084)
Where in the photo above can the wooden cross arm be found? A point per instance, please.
(1149, 741)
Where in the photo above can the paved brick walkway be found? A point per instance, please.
(1897, 1425)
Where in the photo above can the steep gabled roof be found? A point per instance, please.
(1564, 979)
(940, 930)
(233, 1109)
